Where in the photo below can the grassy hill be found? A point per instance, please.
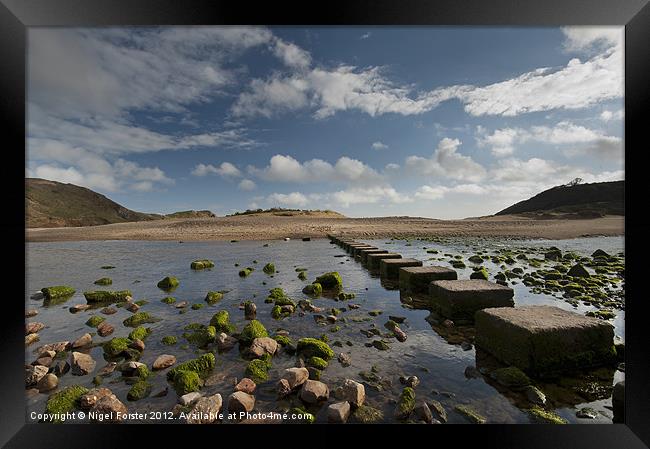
(574, 201)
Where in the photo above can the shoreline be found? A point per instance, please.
(270, 227)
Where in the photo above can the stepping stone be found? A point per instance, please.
(460, 300)
(356, 252)
(375, 259)
(544, 340)
(354, 246)
(363, 254)
(389, 268)
(417, 279)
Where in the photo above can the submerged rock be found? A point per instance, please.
(168, 283)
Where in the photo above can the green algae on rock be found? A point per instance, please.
(366, 414)
(116, 346)
(186, 377)
(64, 401)
(169, 340)
(202, 337)
(103, 281)
(168, 300)
(139, 318)
(470, 414)
(511, 377)
(221, 322)
(201, 264)
(168, 283)
(254, 329)
(269, 268)
(245, 272)
(479, 274)
(302, 276)
(405, 403)
(312, 347)
(317, 362)
(140, 333)
(107, 296)
(330, 281)
(258, 369)
(57, 291)
(314, 289)
(546, 416)
(213, 297)
(141, 389)
(95, 320)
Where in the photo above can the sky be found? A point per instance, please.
(441, 122)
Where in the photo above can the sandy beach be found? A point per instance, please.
(267, 226)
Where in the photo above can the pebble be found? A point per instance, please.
(108, 310)
(30, 313)
(79, 308)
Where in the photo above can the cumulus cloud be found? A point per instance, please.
(226, 169)
(607, 115)
(580, 38)
(291, 54)
(581, 140)
(247, 185)
(447, 162)
(345, 198)
(379, 146)
(293, 199)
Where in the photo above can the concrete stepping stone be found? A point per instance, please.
(363, 254)
(459, 300)
(375, 259)
(354, 246)
(417, 279)
(545, 339)
(389, 268)
(356, 252)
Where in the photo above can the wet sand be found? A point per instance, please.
(266, 226)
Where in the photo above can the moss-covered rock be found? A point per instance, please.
(168, 300)
(103, 281)
(312, 347)
(283, 340)
(57, 292)
(345, 296)
(221, 322)
(553, 254)
(245, 272)
(546, 416)
(330, 281)
(366, 414)
(197, 306)
(64, 401)
(116, 346)
(276, 312)
(107, 296)
(479, 274)
(139, 390)
(140, 333)
(254, 329)
(511, 377)
(470, 414)
(317, 362)
(95, 320)
(302, 276)
(200, 366)
(213, 297)
(139, 318)
(258, 369)
(201, 264)
(269, 268)
(169, 340)
(168, 283)
(186, 382)
(578, 271)
(202, 337)
(405, 403)
(475, 259)
(314, 289)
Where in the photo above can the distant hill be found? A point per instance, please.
(574, 201)
(282, 212)
(51, 204)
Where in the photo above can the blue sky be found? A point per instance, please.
(443, 122)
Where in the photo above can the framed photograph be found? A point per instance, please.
(372, 213)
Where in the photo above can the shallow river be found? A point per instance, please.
(440, 366)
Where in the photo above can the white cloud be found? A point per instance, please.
(294, 199)
(291, 54)
(427, 192)
(607, 115)
(579, 38)
(379, 146)
(447, 162)
(368, 195)
(431, 192)
(247, 185)
(284, 168)
(365, 35)
(502, 141)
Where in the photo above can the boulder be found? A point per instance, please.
(283, 387)
(105, 329)
(314, 391)
(88, 400)
(338, 412)
(33, 374)
(205, 410)
(263, 345)
(246, 385)
(423, 412)
(82, 364)
(84, 340)
(47, 383)
(241, 402)
(163, 361)
(295, 376)
(353, 392)
(110, 408)
(188, 398)
(33, 328)
(225, 342)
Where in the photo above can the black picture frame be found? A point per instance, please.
(17, 15)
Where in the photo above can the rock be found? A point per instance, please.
(110, 408)
(89, 399)
(534, 395)
(61, 367)
(338, 412)
(47, 383)
(250, 310)
(108, 369)
(188, 398)
(163, 361)
(448, 324)
(472, 373)
(241, 402)
(437, 409)
(379, 344)
(587, 413)
(31, 313)
(460, 300)
(82, 364)
(410, 381)
(246, 385)
(367, 415)
(108, 310)
(263, 345)
(400, 335)
(33, 374)
(33, 328)
(84, 340)
(205, 410)
(79, 308)
(105, 329)
(405, 404)
(423, 412)
(56, 347)
(31, 338)
(511, 377)
(353, 392)
(138, 345)
(578, 271)
(182, 304)
(344, 359)
(225, 342)
(283, 388)
(45, 361)
(296, 376)
(314, 391)
(133, 307)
